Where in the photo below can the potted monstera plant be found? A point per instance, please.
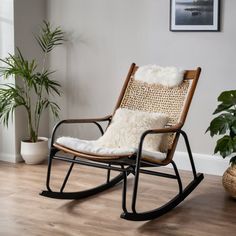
(32, 91)
(225, 126)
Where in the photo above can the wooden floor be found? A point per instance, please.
(23, 212)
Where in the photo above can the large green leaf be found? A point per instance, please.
(233, 160)
(221, 124)
(233, 127)
(227, 99)
(234, 143)
(225, 146)
(222, 107)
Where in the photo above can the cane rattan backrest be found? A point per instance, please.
(155, 98)
(174, 102)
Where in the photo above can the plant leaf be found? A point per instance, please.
(233, 160)
(11, 97)
(225, 146)
(221, 124)
(49, 37)
(227, 99)
(233, 127)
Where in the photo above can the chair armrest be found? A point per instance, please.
(170, 129)
(89, 120)
(80, 121)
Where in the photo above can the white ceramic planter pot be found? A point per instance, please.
(34, 153)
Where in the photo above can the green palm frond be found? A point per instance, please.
(46, 103)
(50, 37)
(54, 108)
(11, 96)
(16, 65)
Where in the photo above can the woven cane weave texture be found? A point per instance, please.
(229, 180)
(156, 98)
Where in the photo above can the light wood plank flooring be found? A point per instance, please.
(23, 212)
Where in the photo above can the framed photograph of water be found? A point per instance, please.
(194, 15)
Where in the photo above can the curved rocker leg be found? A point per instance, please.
(183, 193)
(85, 193)
(53, 151)
(149, 215)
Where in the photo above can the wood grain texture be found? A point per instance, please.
(208, 211)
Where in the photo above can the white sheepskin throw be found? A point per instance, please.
(92, 147)
(165, 76)
(127, 127)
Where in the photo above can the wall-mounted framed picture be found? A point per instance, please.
(194, 15)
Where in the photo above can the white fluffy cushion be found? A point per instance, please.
(91, 147)
(127, 127)
(154, 74)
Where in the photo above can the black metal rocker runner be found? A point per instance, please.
(177, 106)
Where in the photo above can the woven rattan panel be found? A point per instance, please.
(155, 98)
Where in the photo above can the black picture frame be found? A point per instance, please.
(195, 15)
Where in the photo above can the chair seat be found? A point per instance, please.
(91, 150)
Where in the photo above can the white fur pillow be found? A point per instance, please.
(166, 76)
(127, 127)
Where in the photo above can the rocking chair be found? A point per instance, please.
(137, 96)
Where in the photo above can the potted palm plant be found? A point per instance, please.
(225, 126)
(31, 91)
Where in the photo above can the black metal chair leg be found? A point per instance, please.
(108, 174)
(124, 190)
(136, 179)
(189, 153)
(67, 175)
(53, 151)
(177, 176)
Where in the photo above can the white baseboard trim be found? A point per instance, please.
(13, 158)
(208, 164)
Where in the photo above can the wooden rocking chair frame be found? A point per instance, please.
(133, 164)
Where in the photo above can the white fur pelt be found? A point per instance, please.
(154, 74)
(92, 147)
(127, 127)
